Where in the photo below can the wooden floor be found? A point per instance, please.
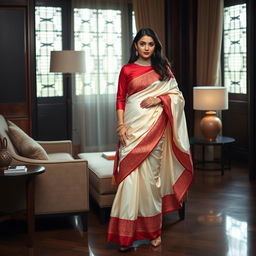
(220, 220)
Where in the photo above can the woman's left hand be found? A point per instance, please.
(150, 102)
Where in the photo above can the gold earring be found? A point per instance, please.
(136, 53)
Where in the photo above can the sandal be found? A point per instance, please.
(156, 242)
(124, 248)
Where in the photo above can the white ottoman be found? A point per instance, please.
(100, 180)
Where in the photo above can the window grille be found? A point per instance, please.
(48, 38)
(98, 33)
(235, 49)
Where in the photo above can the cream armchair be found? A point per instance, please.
(62, 189)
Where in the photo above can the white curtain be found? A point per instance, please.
(101, 29)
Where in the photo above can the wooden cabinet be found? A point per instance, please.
(17, 64)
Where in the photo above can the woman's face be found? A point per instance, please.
(145, 47)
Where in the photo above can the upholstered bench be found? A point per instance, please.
(100, 181)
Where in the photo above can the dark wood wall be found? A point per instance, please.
(17, 82)
(42, 118)
(251, 86)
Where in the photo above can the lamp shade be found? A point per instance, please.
(210, 98)
(67, 61)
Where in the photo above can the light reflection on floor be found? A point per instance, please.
(90, 252)
(211, 218)
(236, 232)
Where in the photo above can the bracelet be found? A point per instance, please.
(121, 124)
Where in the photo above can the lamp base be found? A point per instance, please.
(210, 126)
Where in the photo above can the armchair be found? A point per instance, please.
(62, 189)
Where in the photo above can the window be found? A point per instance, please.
(235, 76)
(48, 38)
(98, 33)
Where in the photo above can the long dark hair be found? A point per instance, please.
(158, 61)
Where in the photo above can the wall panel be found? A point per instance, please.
(15, 66)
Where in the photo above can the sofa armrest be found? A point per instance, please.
(62, 188)
(21, 160)
(57, 146)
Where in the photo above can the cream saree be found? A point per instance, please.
(154, 170)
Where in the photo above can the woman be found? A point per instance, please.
(153, 167)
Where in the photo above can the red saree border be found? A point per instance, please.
(125, 232)
(141, 82)
(173, 201)
(183, 157)
(136, 156)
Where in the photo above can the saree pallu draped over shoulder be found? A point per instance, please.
(154, 170)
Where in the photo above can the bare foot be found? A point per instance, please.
(156, 242)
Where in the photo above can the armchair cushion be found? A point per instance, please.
(60, 157)
(24, 144)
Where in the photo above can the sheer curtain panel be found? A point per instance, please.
(103, 30)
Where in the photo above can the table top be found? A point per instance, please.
(32, 170)
(220, 140)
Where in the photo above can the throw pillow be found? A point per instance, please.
(24, 144)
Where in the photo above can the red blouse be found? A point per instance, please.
(127, 74)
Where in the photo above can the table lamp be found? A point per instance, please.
(210, 98)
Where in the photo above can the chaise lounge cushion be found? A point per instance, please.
(24, 144)
(100, 176)
(100, 171)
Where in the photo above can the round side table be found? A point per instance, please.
(32, 171)
(221, 141)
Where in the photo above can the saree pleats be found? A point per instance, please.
(141, 219)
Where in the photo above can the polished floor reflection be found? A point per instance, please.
(220, 221)
(236, 232)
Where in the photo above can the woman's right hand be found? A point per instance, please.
(122, 133)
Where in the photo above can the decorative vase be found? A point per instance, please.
(5, 156)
